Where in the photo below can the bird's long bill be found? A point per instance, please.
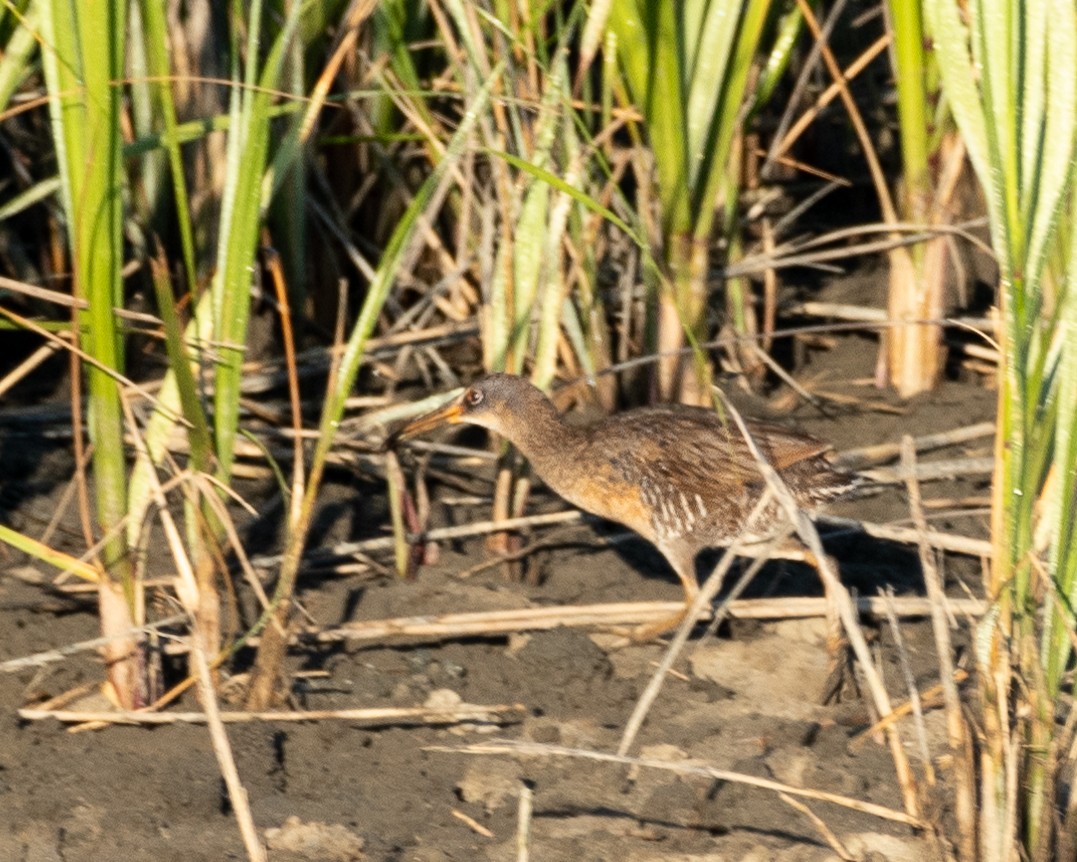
(450, 414)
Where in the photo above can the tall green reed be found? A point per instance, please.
(687, 67)
(1008, 71)
(929, 154)
(83, 56)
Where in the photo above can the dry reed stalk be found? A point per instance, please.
(839, 598)
(783, 143)
(83, 356)
(203, 614)
(535, 749)
(930, 471)
(702, 602)
(486, 623)
(898, 235)
(615, 615)
(61, 700)
(987, 355)
(464, 712)
(867, 314)
(237, 793)
(523, 823)
(27, 366)
(260, 376)
(479, 528)
(957, 730)
(226, 522)
(853, 112)
(824, 831)
(885, 451)
(930, 696)
(932, 538)
(472, 824)
(40, 659)
(78, 303)
(871, 404)
(915, 705)
(975, 504)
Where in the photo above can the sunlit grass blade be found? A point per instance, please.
(248, 143)
(1008, 78)
(15, 59)
(159, 67)
(687, 66)
(83, 58)
(51, 556)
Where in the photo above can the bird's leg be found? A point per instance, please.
(839, 670)
(685, 567)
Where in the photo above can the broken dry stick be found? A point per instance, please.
(615, 614)
(463, 712)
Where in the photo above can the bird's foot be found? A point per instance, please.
(841, 676)
(647, 632)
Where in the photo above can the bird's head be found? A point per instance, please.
(499, 402)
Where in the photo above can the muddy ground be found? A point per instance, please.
(745, 701)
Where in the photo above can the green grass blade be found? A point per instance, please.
(50, 556)
(240, 220)
(84, 55)
(159, 66)
(15, 58)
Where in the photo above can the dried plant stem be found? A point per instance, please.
(915, 706)
(25, 367)
(844, 609)
(932, 470)
(702, 601)
(535, 749)
(237, 794)
(60, 653)
(956, 729)
(932, 538)
(928, 697)
(499, 622)
(472, 824)
(523, 824)
(825, 831)
(464, 712)
(884, 451)
(480, 528)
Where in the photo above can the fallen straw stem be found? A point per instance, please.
(883, 451)
(464, 712)
(481, 528)
(825, 832)
(931, 470)
(615, 614)
(222, 749)
(909, 536)
(535, 749)
(844, 606)
(513, 620)
(60, 653)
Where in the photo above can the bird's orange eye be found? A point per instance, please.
(473, 397)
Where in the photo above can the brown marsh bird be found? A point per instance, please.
(677, 475)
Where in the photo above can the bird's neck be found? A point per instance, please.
(550, 445)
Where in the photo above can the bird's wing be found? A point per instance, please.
(694, 446)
